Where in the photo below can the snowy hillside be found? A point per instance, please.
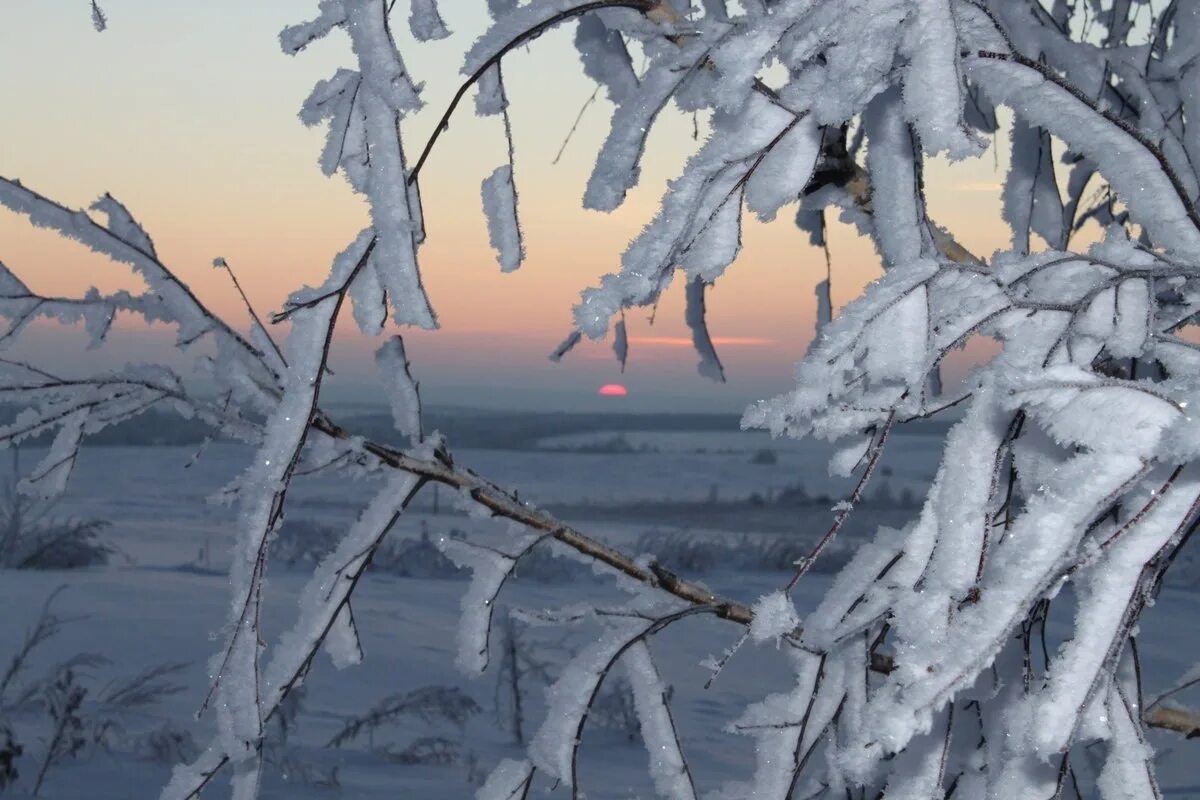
(164, 595)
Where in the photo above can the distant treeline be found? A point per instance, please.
(463, 428)
(522, 430)
(486, 430)
(151, 428)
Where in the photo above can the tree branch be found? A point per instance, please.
(502, 503)
(644, 6)
(1133, 133)
(1172, 718)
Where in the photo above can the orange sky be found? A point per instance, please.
(187, 113)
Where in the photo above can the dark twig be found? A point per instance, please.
(528, 35)
(847, 505)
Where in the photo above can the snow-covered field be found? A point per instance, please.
(164, 597)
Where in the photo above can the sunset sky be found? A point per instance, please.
(186, 112)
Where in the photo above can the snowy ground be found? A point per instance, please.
(165, 597)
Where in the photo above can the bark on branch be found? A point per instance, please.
(1173, 718)
(502, 503)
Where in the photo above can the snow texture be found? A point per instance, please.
(785, 169)
(403, 396)
(605, 58)
(500, 207)
(425, 21)
(668, 767)
(696, 318)
(774, 618)
(568, 699)
(506, 781)
(490, 569)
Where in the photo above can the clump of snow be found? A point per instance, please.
(504, 229)
(668, 768)
(774, 617)
(425, 21)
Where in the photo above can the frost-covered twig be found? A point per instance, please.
(555, 748)
(429, 704)
(505, 504)
(1133, 133)
(845, 507)
(523, 34)
(46, 627)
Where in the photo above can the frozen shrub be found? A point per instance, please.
(416, 558)
(433, 750)
(435, 706)
(615, 710)
(68, 712)
(303, 542)
(522, 659)
(306, 543)
(31, 538)
(693, 553)
(541, 565)
(765, 456)
(166, 744)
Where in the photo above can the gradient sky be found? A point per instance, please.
(186, 111)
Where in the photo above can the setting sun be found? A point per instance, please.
(613, 390)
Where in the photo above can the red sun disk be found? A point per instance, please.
(612, 390)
